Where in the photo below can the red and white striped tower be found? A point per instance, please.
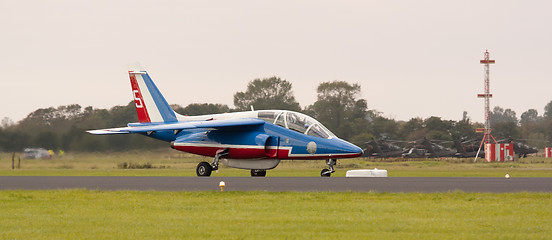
(487, 95)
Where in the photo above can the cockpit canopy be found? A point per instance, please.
(296, 121)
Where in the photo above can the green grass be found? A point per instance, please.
(166, 162)
(83, 214)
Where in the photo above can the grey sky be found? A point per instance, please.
(412, 58)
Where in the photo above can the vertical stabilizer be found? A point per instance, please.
(150, 104)
(459, 147)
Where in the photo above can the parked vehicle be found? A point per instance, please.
(36, 153)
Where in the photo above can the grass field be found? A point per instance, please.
(86, 214)
(83, 214)
(172, 163)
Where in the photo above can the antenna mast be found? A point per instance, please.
(487, 95)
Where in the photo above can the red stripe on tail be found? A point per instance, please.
(141, 109)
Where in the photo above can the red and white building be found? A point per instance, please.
(499, 152)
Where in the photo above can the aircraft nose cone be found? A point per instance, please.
(361, 151)
(350, 148)
(357, 150)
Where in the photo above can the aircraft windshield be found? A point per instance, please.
(296, 121)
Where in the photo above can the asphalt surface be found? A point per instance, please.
(277, 184)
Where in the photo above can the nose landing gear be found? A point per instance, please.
(328, 172)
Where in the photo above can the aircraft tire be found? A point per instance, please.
(325, 173)
(204, 169)
(258, 173)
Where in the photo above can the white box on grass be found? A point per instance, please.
(367, 173)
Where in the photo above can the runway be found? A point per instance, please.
(280, 184)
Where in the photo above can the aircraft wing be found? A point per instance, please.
(211, 124)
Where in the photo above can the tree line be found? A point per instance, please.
(338, 106)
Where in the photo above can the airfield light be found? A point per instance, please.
(221, 185)
(507, 176)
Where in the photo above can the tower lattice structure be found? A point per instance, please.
(487, 137)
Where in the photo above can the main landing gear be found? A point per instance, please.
(258, 173)
(204, 169)
(328, 172)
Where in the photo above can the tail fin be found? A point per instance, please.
(427, 144)
(151, 106)
(459, 147)
(377, 146)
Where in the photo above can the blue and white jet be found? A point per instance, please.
(255, 140)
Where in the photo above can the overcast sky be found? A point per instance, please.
(412, 58)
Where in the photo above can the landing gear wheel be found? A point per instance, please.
(328, 172)
(204, 169)
(258, 173)
(325, 173)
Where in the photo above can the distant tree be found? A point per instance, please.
(465, 117)
(6, 123)
(529, 116)
(268, 93)
(529, 121)
(68, 111)
(383, 127)
(547, 129)
(438, 135)
(362, 139)
(339, 108)
(121, 115)
(407, 129)
(437, 128)
(437, 124)
(537, 139)
(47, 139)
(510, 115)
(506, 130)
(195, 109)
(499, 115)
(463, 129)
(13, 140)
(548, 110)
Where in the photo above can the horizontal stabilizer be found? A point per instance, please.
(213, 124)
(122, 130)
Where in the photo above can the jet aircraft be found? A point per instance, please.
(254, 140)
